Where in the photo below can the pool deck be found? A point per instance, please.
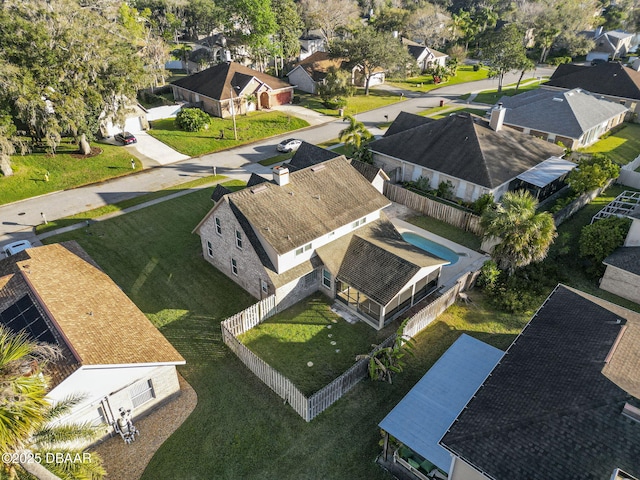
(469, 259)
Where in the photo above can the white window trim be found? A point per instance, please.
(218, 225)
(209, 249)
(239, 239)
(234, 266)
(329, 279)
(144, 391)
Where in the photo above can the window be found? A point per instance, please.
(239, 239)
(218, 226)
(357, 223)
(141, 393)
(265, 286)
(326, 278)
(301, 250)
(310, 279)
(234, 266)
(209, 248)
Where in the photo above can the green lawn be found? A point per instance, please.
(251, 127)
(622, 147)
(66, 170)
(240, 429)
(356, 104)
(424, 83)
(443, 229)
(310, 332)
(491, 97)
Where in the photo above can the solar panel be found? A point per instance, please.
(24, 316)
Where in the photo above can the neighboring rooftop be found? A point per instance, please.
(308, 155)
(405, 121)
(610, 78)
(463, 146)
(568, 113)
(218, 81)
(625, 258)
(318, 64)
(552, 407)
(97, 321)
(425, 413)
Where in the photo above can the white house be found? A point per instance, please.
(111, 353)
(318, 228)
(425, 57)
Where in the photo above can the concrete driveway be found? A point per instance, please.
(153, 152)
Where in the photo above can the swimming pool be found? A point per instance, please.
(431, 247)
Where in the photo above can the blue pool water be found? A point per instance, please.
(431, 247)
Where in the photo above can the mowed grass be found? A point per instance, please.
(240, 429)
(251, 127)
(356, 104)
(491, 97)
(621, 147)
(66, 170)
(311, 332)
(445, 230)
(424, 83)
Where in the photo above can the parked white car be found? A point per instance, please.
(289, 145)
(15, 247)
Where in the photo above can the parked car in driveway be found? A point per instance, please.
(15, 247)
(289, 145)
(125, 138)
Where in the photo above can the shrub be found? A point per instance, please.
(592, 173)
(192, 120)
(600, 239)
(335, 103)
(445, 190)
(423, 184)
(489, 275)
(296, 99)
(483, 202)
(559, 60)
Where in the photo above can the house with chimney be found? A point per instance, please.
(111, 354)
(318, 228)
(576, 118)
(563, 401)
(475, 155)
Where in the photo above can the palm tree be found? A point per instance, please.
(355, 134)
(524, 235)
(26, 415)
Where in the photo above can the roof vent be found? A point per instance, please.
(317, 168)
(631, 412)
(556, 99)
(317, 197)
(258, 189)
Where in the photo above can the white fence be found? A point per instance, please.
(309, 407)
(628, 175)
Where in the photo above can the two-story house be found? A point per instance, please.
(318, 228)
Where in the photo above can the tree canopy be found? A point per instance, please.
(505, 52)
(524, 234)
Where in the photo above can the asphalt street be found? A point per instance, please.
(18, 219)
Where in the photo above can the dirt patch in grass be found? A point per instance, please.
(94, 152)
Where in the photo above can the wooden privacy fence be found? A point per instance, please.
(440, 211)
(310, 407)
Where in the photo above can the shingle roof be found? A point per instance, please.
(216, 82)
(308, 155)
(405, 121)
(99, 323)
(552, 407)
(610, 78)
(463, 146)
(316, 201)
(625, 258)
(567, 113)
(375, 260)
(368, 171)
(219, 192)
(317, 65)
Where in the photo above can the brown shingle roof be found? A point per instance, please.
(316, 201)
(99, 323)
(317, 65)
(217, 82)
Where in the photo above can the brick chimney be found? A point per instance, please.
(281, 175)
(497, 117)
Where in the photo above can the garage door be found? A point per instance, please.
(133, 125)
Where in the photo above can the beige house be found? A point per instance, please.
(111, 353)
(230, 89)
(318, 228)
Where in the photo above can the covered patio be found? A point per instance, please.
(544, 179)
(424, 415)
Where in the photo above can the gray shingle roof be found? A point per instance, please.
(216, 82)
(552, 407)
(405, 121)
(625, 258)
(568, 113)
(463, 146)
(610, 78)
(376, 260)
(308, 155)
(314, 203)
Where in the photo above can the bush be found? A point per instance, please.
(592, 173)
(296, 99)
(192, 120)
(600, 239)
(483, 203)
(335, 103)
(559, 60)
(476, 67)
(489, 275)
(445, 190)
(423, 184)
